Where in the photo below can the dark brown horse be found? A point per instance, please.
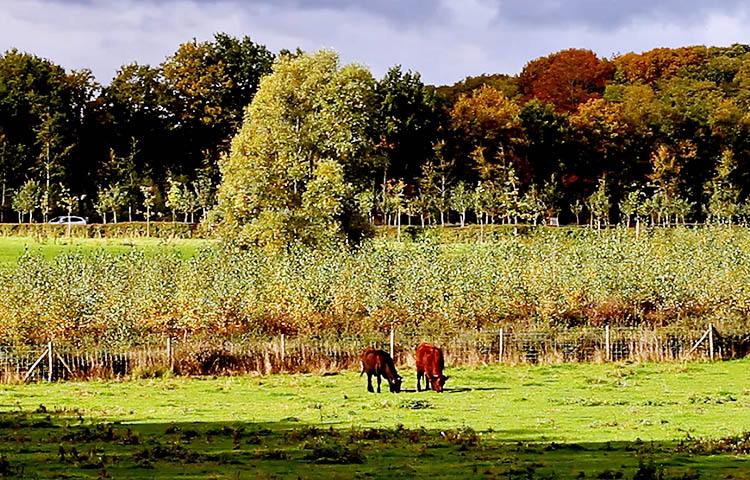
(379, 363)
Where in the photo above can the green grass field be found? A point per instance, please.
(11, 248)
(632, 421)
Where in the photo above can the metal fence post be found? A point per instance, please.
(607, 345)
(392, 338)
(49, 361)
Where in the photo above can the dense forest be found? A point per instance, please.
(662, 136)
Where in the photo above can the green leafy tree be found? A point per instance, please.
(551, 196)
(41, 111)
(176, 197)
(576, 208)
(307, 115)
(366, 203)
(70, 202)
(599, 203)
(149, 196)
(632, 205)
(667, 163)
(435, 181)
(460, 200)
(26, 199)
(532, 205)
(126, 172)
(9, 166)
(395, 202)
(508, 192)
(419, 205)
(50, 165)
(723, 194)
(208, 85)
(406, 123)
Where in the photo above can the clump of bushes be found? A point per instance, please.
(733, 444)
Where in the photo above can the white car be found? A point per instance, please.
(68, 220)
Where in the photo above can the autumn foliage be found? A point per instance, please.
(657, 64)
(565, 79)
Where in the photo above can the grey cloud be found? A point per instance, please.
(610, 14)
(444, 40)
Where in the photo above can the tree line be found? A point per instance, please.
(660, 136)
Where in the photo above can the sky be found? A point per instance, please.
(444, 40)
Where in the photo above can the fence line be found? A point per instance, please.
(318, 354)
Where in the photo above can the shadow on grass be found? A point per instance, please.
(68, 444)
(474, 389)
(455, 390)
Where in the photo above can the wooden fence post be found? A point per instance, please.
(607, 345)
(169, 354)
(392, 338)
(49, 360)
(711, 340)
(500, 350)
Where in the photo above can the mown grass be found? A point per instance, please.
(558, 421)
(11, 248)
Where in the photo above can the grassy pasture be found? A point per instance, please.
(539, 422)
(11, 248)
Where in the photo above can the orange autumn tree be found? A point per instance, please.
(565, 79)
(489, 121)
(653, 65)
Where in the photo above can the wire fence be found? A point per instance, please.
(321, 354)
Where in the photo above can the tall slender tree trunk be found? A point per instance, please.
(398, 227)
(2, 205)
(481, 227)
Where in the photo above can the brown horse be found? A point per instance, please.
(430, 366)
(379, 363)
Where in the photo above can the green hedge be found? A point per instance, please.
(108, 230)
(472, 233)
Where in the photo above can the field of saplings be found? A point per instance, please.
(676, 278)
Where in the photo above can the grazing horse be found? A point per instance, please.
(430, 366)
(379, 363)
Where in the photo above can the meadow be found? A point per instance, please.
(632, 421)
(13, 248)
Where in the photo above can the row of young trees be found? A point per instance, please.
(661, 135)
